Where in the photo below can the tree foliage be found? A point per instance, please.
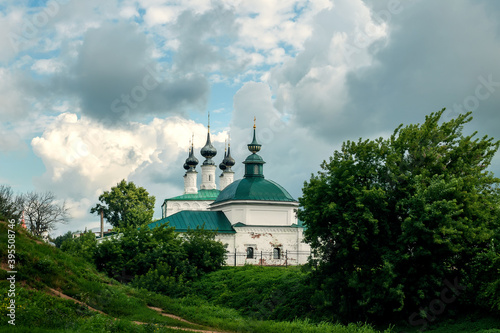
(59, 240)
(84, 246)
(126, 204)
(137, 251)
(10, 205)
(391, 219)
(159, 259)
(202, 251)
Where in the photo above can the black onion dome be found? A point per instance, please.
(186, 165)
(228, 160)
(208, 151)
(222, 165)
(191, 160)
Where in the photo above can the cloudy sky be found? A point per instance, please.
(92, 92)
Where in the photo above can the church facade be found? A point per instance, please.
(254, 217)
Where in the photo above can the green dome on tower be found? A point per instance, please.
(253, 186)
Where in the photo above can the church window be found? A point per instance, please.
(209, 178)
(276, 253)
(249, 252)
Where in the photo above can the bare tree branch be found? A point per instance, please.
(42, 213)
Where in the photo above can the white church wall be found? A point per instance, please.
(258, 213)
(265, 243)
(227, 239)
(179, 205)
(269, 216)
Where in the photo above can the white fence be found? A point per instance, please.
(268, 258)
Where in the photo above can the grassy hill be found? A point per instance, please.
(92, 302)
(57, 292)
(281, 293)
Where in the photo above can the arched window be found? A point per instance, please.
(249, 252)
(276, 253)
(209, 178)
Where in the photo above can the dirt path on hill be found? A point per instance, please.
(170, 315)
(60, 294)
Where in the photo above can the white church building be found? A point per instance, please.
(255, 217)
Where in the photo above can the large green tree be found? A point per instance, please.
(126, 204)
(392, 220)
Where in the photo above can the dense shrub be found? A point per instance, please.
(160, 259)
(84, 246)
(202, 251)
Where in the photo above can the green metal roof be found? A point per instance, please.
(254, 189)
(188, 219)
(201, 195)
(254, 158)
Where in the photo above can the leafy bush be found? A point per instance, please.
(84, 246)
(45, 266)
(139, 250)
(202, 251)
(485, 281)
(160, 259)
(60, 239)
(162, 279)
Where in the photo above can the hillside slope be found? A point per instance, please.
(54, 290)
(92, 302)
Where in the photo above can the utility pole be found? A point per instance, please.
(102, 223)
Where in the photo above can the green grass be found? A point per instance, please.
(95, 324)
(41, 266)
(271, 291)
(275, 293)
(474, 323)
(201, 311)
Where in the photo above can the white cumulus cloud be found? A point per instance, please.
(83, 158)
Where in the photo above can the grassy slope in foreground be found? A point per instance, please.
(278, 292)
(42, 267)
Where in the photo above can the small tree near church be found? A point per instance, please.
(126, 204)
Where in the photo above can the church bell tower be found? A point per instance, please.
(208, 167)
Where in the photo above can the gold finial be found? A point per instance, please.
(254, 119)
(225, 145)
(209, 121)
(192, 140)
(229, 139)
